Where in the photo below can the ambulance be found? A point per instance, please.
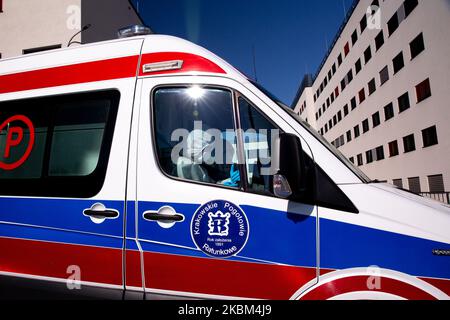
(147, 167)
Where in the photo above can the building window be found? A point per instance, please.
(1, 8)
(436, 183)
(369, 156)
(336, 92)
(380, 153)
(417, 46)
(398, 183)
(398, 62)
(372, 86)
(360, 159)
(353, 103)
(350, 76)
(403, 102)
(393, 149)
(326, 127)
(363, 23)
(332, 97)
(352, 160)
(356, 130)
(429, 137)
(345, 110)
(328, 103)
(358, 66)
(339, 59)
(393, 24)
(414, 184)
(334, 120)
(376, 119)
(388, 112)
(367, 55)
(40, 49)
(346, 49)
(343, 84)
(379, 40)
(362, 96)
(333, 68)
(365, 125)
(349, 136)
(409, 6)
(423, 90)
(384, 75)
(409, 143)
(354, 37)
(339, 116)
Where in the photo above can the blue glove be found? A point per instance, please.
(234, 178)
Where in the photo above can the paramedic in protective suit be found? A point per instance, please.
(207, 160)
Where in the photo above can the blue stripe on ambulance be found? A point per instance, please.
(346, 246)
(342, 245)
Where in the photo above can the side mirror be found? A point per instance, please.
(289, 166)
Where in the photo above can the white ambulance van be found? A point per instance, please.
(148, 167)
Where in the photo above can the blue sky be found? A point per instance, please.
(289, 36)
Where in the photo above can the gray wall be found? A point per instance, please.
(27, 24)
(106, 17)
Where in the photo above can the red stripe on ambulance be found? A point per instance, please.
(109, 69)
(359, 283)
(224, 277)
(49, 259)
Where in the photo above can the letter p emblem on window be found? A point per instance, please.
(15, 137)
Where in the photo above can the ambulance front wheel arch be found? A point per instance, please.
(371, 283)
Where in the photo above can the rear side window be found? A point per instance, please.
(56, 146)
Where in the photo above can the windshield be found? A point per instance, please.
(318, 136)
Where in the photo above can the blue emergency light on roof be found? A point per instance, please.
(134, 30)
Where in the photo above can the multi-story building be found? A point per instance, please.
(29, 26)
(381, 94)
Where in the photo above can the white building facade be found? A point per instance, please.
(29, 26)
(382, 94)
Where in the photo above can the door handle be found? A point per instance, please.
(166, 216)
(156, 216)
(107, 213)
(99, 213)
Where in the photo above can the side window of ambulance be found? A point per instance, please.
(257, 134)
(56, 146)
(194, 134)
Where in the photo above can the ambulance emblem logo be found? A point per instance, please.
(220, 229)
(218, 223)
